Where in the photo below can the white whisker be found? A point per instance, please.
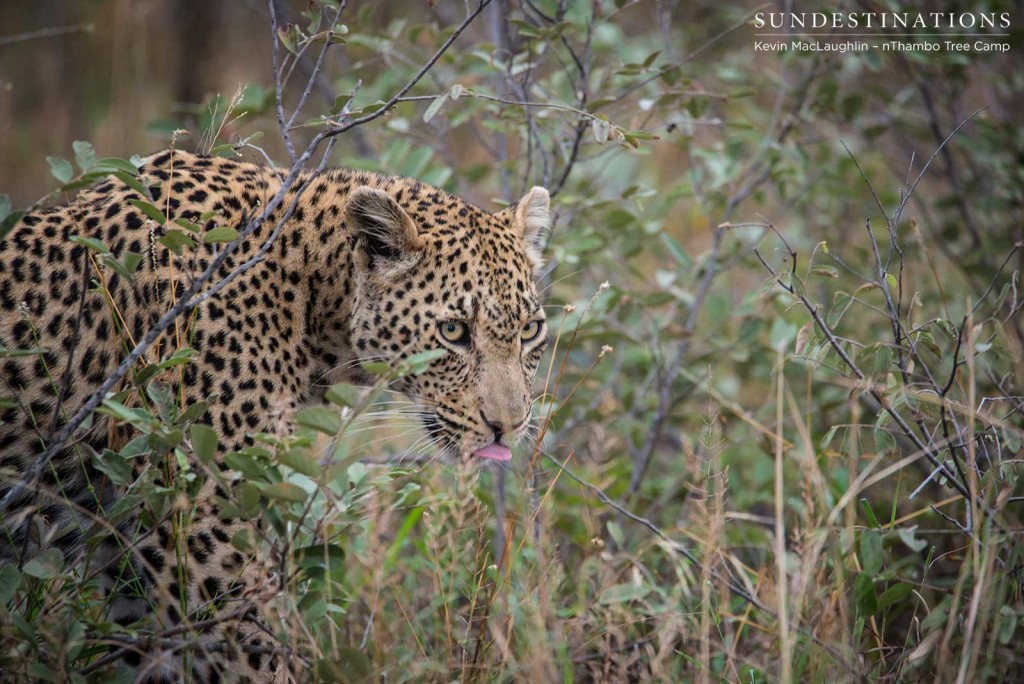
(553, 283)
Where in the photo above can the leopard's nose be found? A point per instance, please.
(503, 425)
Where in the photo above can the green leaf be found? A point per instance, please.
(937, 617)
(244, 540)
(869, 513)
(320, 418)
(149, 210)
(602, 102)
(1007, 626)
(827, 271)
(650, 58)
(829, 436)
(841, 301)
(129, 262)
(46, 565)
(146, 374)
(300, 461)
(131, 181)
(7, 217)
(356, 473)
(864, 597)
(434, 107)
(132, 258)
(137, 416)
(312, 607)
(927, 340)
(615, 531)
(85, 155)
(10, 580)
(894, 594)
(343, 395)
(160, 394)
(376, 367)
(418, 363)
(39, 671)
(136, 447)
(175, 240)
(285, 491)
(320, 555)
(672, 76)
(247, 496)
(883, 359)
(220, 234)
(246, 465)
(782, 332)
(117, 166)
(115, 466)
(871, 552)
(61, 169)
(178, 358)
(618, 219)
(90, 243)
(677, 251)
(73, 643)
(193, 412)
(204, 443)
(289, 36)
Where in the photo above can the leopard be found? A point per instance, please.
(361, 267)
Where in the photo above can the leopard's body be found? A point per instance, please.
(368, 267)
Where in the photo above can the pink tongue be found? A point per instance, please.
(494, 451)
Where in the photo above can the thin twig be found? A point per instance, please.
(275, 41)
(47, 33)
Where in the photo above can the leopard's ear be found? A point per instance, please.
(532, 219)
(388, 241)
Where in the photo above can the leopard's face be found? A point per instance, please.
(461, 282)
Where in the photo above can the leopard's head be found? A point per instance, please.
(434, 272)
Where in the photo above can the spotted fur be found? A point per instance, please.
(368, 267)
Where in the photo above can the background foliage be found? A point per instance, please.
(780, 429)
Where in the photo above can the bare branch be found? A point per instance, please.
(275, 41)
(51, 32)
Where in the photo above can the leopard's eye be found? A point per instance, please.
(455, 332)
(531, 331)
